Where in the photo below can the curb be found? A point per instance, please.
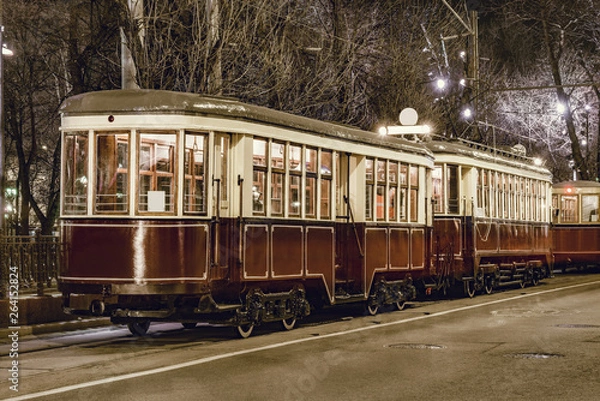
(45, 328)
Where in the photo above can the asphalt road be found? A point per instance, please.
(534, 343)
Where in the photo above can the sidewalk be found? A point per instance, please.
(53, 327)
(35, 315)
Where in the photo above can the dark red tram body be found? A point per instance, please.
(180, 207)
(576, 227)
(491, 218)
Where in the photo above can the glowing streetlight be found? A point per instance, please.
(440, 83)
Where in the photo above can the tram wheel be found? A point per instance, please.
(289, 324)
(400, 305)
(372, 309)
(244, 330)
(535, 280)
(489, 285)
(469, 288)
(139, 329)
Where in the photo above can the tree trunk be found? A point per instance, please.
(580, 164)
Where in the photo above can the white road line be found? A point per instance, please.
(202, 361)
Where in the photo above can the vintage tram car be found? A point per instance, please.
(491, 218)
(189, 208)
(575, 224)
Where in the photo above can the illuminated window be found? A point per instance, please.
(112, 168)
(438, 189)
(589, 208)
(326, 177)
(156, 161)
(569, 209)
(370, 182)
(277, 157)
(194, 200)
(259, 163)
(414, 193)
(75, 165)
(295, 188)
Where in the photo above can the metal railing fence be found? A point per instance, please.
(33, 261)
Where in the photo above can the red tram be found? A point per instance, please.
(491, 218)
(188, 208)
(576, 227)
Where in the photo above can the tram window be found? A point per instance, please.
(381, 192)
(438, 189)
(380, 207)
(403, 192)
(414, 192)
(156, 162)
(453, 194)
(223, 148)
(311, 196)
(311, 160)
(76, 173)
(277, 194)
(259, 162)
(326, 176)
(369, 189)
(569, 209)
(111, 190)
(555, 209)
(393, 182)
(195, 174)
(295, 169)
(589, 208)
(294, 196)
(311, 182)
(277, 155)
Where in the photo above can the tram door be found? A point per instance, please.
(221, 223)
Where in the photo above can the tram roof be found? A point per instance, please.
(577, 184)
(475, 152)
(149, 101)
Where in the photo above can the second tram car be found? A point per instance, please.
(188, 208)
(491, 218)
(576, 227)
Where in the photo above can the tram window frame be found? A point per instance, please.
(311, 163)
(437, 179)
(569, 209)
(160, 197)
(277, 183)
(295, 168)
(298, 173)
(453, 188)
(589, 211)
(404, 191)
(259, 175)
(392, 190)
(76, 175)
(326, 178)
(195, 173)
(414, 172)
(369, 188)
(119, 179)
(381, 199)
